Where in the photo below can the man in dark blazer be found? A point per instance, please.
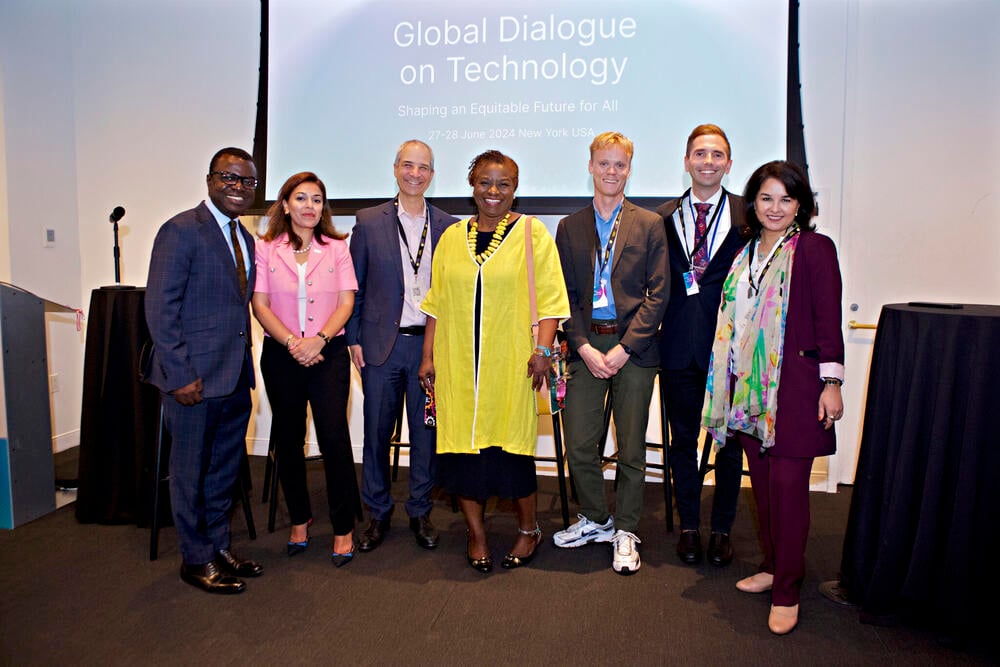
(201, 276)
(614, 261)
(392, 247)
(699, 262)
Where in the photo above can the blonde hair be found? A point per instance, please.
(609, 139)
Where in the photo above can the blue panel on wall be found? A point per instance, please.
(6, 504)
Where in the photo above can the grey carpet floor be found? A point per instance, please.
(88, 595)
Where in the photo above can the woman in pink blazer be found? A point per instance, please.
(303, 297)
(776, 371)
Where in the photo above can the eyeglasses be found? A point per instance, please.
(230, 178)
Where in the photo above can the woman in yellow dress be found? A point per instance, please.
(480, 359)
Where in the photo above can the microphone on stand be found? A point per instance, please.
(117, 214)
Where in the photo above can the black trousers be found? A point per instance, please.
(325, 387)
(684, 393)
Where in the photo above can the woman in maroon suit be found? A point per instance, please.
(776, 371)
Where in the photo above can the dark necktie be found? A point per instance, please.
(700, 258)
(241, 267)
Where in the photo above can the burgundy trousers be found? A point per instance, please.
(781, 490)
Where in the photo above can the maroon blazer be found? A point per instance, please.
(813, 335)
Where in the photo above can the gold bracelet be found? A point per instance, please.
(289, 340)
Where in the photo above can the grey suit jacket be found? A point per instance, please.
(378, 303)
(640, 278)
(199, 322)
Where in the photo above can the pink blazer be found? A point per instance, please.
(330, 271)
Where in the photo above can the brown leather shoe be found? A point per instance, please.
(229, 563)
(425, 532)
(783, 619)
(373, 535)
(720, 549)
(689, 547)
(209, 578)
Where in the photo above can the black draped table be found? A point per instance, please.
(119, 415)
(922, 536)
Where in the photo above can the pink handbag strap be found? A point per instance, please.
(530, 258)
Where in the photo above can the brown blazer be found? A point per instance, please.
(640, 278)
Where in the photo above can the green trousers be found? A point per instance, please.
(583, 421)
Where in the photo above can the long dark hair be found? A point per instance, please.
(796, 185)
(279, 222)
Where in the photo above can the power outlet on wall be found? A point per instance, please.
(49, 238)
(54, 382)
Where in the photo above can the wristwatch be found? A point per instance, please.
(326, 339)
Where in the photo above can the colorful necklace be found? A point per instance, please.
(494, 242)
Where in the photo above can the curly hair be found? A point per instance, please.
(491, 157)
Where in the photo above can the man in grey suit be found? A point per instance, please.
(197, 299)
(392, 247)
(614, 260)
(703, 236)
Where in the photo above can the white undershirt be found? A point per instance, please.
(716, 235)
(303, 300)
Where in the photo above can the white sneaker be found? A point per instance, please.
(626, 555)
(583, 532)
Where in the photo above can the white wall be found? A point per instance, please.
(112, 102)
(902, 128)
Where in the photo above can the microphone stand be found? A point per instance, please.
(118, 256)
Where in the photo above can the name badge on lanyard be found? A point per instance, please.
(691, 276)
(601, 288)
(691, 283)
(412, 281)
(601, 294)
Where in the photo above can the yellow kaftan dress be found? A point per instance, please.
(499, 409)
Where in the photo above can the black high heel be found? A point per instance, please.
(295, 548)
(510, 561)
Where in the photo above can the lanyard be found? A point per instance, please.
(704, 237)
(611, 241)
(755, 288)
(423, 236)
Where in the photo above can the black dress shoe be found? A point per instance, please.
(209, 578)
(231, 564)
(373, 535)
(720, 549)
(424, 530)
(689, 547)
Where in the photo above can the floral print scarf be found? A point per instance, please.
(752, 407)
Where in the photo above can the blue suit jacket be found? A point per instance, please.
(199, 323)
(378, 303)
